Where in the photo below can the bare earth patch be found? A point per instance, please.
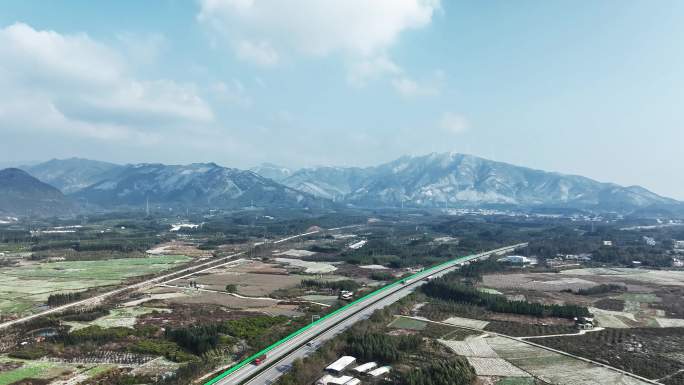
(466, 322)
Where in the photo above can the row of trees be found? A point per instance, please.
(602, 289)
(346, 284)
(444, 289)
(381, 347)
(63, 298)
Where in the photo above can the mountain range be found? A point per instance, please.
(73, 174)
(196, 185)
(434, 180)
(438, 180)
(22, 194)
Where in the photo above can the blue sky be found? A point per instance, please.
(592, 88)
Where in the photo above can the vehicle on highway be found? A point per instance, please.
(259, 360)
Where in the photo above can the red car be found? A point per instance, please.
(260, 360)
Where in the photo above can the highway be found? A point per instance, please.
(281, 354)
(163, 279)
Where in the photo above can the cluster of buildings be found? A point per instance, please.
(564, 260)
(584, 323)
(339, 372)
(679, 246)
(518, 260)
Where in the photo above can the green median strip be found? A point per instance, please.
(309, 326)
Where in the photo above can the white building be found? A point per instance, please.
(649, 241)
(519, 259)
(607, 243)
(339, 365)
(365, 367)
(679, 244)
(332, 380)
(380, 371)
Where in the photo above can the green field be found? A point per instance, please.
(31, 369)
(44, 370)
(23, 288)
(408, 323)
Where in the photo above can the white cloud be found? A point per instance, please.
(233, 92)
(361, 71)
(453, 123)
(143, 49)
(260, 53)
(409, 88)
(358, 28)
(71, 83)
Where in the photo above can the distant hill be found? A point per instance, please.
(436, 180)
(22, 194)
(197, 185)
(73, 174)
(336, 183)
(272, 171)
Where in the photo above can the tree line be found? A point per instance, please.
(63, 298)
(447, 290)
(381, 347)
(347, 284)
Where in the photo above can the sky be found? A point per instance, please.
(594, 88)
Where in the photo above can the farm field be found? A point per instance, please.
(119, 317)
(660, 277)
(475, 346)
(155, 367)
(251, 278)
(408, 323)
(434, 330)
(265, 306)
(536, 281)
(483, 358)
(26, 287)
(466, 322)
(650, 352)
(651, 298)
(17, 370)
(325, 299)
(308, 266)
(495, 367)
(556, 368)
